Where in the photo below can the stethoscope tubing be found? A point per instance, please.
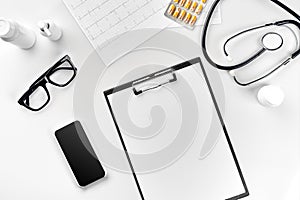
(238, 34)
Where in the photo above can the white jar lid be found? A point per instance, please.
(7, 29)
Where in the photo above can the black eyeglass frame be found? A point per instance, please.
(46, 78)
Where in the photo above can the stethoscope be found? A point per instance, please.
(269, 42)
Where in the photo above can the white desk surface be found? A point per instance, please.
(32, 167)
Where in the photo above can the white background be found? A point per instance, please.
(32, 166)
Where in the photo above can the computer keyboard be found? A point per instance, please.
(102, 20)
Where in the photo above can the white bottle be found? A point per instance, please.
(50, 30)
(16, 34)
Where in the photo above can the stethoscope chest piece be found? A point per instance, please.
(272, 41)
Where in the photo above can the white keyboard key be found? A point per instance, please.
(121, 12)
(103, 25)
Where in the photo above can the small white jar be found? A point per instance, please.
(270, 96)
(16, 34)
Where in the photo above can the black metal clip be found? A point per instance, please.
(153, 76)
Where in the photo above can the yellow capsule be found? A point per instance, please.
(204, 1)
(176, 1)
(182, 2)
(176, 13)
(194, 6)
(182, 14)
(193, 20)
(199, 9)
(188, 4)
(187, 18)
(171, 9)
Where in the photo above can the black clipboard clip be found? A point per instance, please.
(154, 76)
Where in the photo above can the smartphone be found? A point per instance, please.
(79, 153)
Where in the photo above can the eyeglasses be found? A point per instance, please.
(60, 74)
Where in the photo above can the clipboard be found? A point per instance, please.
(217, 176)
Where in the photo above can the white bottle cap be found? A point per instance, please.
(270, 96)
(7, 29)
(44, 28)
(50, 30)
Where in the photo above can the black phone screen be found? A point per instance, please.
(79, 153)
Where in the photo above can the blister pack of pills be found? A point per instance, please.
(185, 12)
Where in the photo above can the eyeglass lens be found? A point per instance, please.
(63, 74)
(38, 98)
